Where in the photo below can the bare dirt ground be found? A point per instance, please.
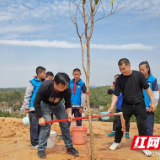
(15, 143)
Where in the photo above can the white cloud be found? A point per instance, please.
(123, 47)
(22, 28)
(147, 8)
(22, 11)
(64, 44)
(19, 10)
(45, 43)
(5, 17)
(12, 67)
(23, 67)
(21, 17)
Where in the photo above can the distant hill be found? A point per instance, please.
(21, 89)
(93, 86)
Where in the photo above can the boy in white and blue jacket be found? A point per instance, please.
(78, 97)
(28, 105)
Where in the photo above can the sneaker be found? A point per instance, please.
(41, 154)
(72, 151)
(60, 137)
(114, 146)
(111, 134)
(147, 153)
(34, 147)
(127, 136)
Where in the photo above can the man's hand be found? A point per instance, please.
(111, 109)
(113, 103)
(42, 121)
(152, 107)
(112, 87)
(70, 118)
(26, 111)
(69, 113)
(81, 110)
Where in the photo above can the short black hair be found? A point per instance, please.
(40, 69)
(116, 75)
(147, 65)
(77, 69)
(123, 60)
(49, 73)
(62, 78)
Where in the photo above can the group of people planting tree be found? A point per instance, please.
(43, 98)
(134, 93)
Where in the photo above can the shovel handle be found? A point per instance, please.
(79, 118)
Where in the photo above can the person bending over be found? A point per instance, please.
(51, 93)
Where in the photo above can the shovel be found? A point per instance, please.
(95, 116)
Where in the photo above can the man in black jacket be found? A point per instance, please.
(118, 109)
(131, 83)
(48, 99)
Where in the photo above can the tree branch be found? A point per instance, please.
(83, 32)
(88, 8)
(92, 19)
(77, 28)
(103, 9)
(100, 1)
(112, 8)
(117, 7)
(85, 21)
(108, 15)
(70, 11)
(79, 8)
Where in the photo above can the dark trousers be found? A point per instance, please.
(115, 122)
(51, 116)
(76, 113)
(140, 113)
(34, 128)
(150, 123)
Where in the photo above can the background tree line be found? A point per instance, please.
(98, 96)
(13, 98)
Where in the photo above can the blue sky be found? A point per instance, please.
(38, 32)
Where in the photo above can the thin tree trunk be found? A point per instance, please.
(82, 49)
(92, 10)
(88, 102)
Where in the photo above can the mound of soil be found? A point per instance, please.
(15, 143)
